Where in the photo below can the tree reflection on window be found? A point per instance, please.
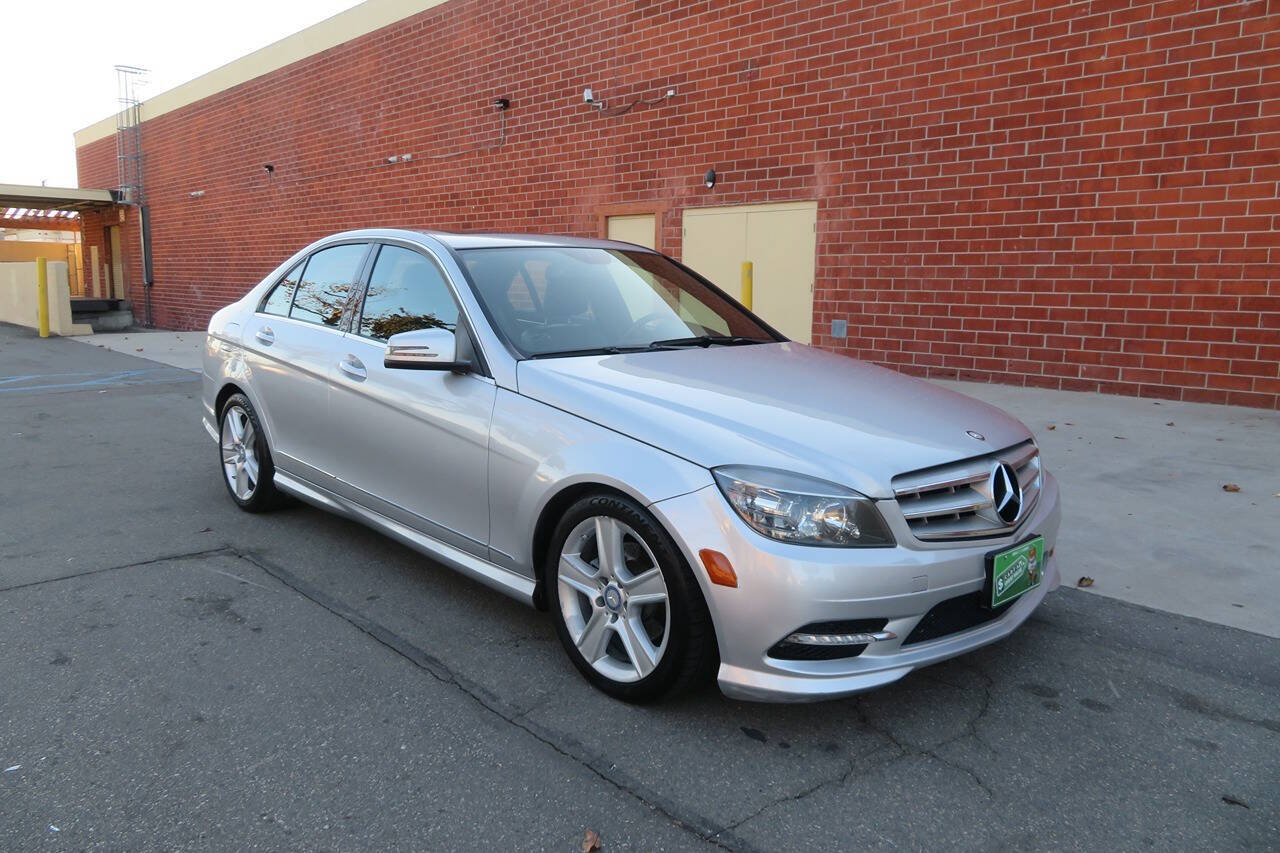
(321, 303)
(326, 284)
(406, 293)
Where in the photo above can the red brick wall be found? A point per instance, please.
(1075, 195)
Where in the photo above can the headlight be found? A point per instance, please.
(801, 510)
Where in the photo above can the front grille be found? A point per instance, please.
(782, 650)
(953, 616)
(953, 501)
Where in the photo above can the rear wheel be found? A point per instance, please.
(247, 469)
(627, 609)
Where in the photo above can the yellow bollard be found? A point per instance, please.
(747, 284)
(42, 295)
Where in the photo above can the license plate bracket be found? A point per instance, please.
(1013, 572)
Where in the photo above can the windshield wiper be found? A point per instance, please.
(706, 341)
(566, 353)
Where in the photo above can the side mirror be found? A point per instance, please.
(424, 349)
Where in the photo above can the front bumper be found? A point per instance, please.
(782, 588)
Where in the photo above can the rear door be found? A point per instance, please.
(290, 346)
(417, 440)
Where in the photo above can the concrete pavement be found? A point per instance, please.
(177, 673)
(176, 349)
(1144, 510)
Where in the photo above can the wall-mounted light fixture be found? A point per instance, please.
(709, 178)
(268, 168)
(196, 194)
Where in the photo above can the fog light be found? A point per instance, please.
(839, 639)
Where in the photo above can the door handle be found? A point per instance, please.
(265, 335)
(353, 367)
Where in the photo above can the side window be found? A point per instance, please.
(406, 292)
(326, 284)
(281, 296)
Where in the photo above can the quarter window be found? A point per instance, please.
(326, 284)
(406, 292)
(281, 296)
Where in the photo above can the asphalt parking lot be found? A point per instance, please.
(177, 674)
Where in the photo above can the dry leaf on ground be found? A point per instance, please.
(1085, 581)
(1230, 487)
(590, 841)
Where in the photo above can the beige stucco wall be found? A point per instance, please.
(18, 298)
(29, 250)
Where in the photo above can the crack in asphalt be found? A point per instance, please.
(188, 555)
(696, 825)
(904, 751)
(970, 732)
(835, 781)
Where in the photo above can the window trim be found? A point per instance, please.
(357, 284)
(301, 266)
(481, 363)
(357, 311)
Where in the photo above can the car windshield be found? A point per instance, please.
(559, 301)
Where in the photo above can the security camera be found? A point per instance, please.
(588, 97)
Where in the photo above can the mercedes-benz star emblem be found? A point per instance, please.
(612, 598)
(979, 436)
(1006, 493)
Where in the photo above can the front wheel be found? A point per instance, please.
(247, 469)
(626, 606)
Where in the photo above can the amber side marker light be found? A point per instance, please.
(718, 568)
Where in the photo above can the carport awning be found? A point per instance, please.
(20, 201)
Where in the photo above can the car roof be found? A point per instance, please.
(481, 240)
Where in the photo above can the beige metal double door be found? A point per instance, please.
(779, 240)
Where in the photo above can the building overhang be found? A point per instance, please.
(35, 201)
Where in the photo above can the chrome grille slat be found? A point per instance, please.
(952, 501)
(935, 482)
(943, 503)
(1027, 452)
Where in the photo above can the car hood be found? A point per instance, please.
(785, 405)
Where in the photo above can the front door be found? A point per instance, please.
(778, 240)
(417, 440)
(118, 290)
(640, 229)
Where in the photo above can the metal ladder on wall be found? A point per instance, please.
(129, 165)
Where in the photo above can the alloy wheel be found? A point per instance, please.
(614, 599)
(239, 453)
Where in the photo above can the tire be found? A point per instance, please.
(250, 459)
(638, 649)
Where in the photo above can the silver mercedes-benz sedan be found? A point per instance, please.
(600, 432)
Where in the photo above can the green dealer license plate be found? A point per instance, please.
(1013, 572)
